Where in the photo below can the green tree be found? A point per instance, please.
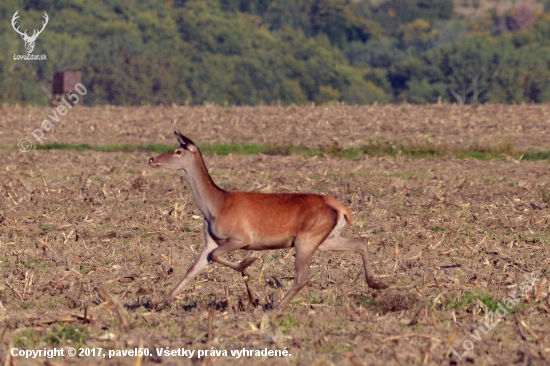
(468, 67)
(524, 76)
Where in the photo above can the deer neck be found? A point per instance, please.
(207, 195)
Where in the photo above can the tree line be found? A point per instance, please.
(251, 52)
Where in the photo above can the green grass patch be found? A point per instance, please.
(26, 337)
(286, 322)
(469, 298)
(158, 148)
(335, 150)
(536, 155)
(239, 149)
(63, 333)
(544, 194)
(47, 228)
(478, 155)
(367, 302)
(85, 268)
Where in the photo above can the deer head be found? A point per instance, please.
(29, 41)
(179, 159)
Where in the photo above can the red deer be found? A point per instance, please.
(260, 221)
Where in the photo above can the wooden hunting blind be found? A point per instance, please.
(63, 83)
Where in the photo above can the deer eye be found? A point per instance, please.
(179, 152)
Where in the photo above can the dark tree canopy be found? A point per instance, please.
(249, 52)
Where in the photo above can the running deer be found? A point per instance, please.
(260, 221)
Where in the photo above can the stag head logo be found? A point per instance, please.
(29, 40)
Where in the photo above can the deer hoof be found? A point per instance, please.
(160, 306)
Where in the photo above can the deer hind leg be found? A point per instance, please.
(228, 247)
(360, 245)
(301, 278)
(305, 247)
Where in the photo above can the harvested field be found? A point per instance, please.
(524, 127)
(456, 239)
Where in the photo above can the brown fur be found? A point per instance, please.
(260, 221)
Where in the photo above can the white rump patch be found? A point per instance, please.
(340, 225)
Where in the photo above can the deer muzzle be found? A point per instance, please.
(153, 163)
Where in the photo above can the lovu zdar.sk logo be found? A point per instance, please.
(29, 40)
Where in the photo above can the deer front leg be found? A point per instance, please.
(229, 246)
(199, 264)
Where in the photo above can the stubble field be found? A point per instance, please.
(456, 239)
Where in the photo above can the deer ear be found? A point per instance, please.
(180, 139)
(185, 142)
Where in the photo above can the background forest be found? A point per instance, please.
(251, 52)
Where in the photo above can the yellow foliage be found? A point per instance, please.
(419, 28)
(327, 96)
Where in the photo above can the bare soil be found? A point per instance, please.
(453, 239)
